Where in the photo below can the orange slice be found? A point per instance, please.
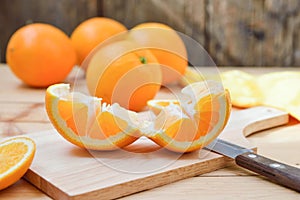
(192, 122)
(16, 155)
(87, 122)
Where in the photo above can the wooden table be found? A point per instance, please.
(22, 111)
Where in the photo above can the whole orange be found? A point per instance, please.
(167, 47)
(92, 32)
(122, 73)
(40, 54)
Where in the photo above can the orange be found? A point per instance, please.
(122, 73)
(16, 155)
(193, 122)
(92, 32)
(181, 126)
(87, 122)
(167, 47)
(40, 55)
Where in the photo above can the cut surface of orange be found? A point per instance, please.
(16, 155)
(87, 122)
(194, 121)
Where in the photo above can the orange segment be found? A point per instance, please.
(16, 155)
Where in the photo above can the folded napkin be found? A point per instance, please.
(276, 89)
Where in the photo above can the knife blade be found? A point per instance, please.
(275, 171)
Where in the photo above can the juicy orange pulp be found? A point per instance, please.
(16, 155)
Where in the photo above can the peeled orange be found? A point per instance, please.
(181, 126)
(167, 47)
(123, 73)
(40, 55)
(16, 155)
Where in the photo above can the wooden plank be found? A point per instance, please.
(57, 171)
(237, 187)
(17, 112)
(22, 190)
(8, 129)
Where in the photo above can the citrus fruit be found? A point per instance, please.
(87, 122)
(92, 32)
(167, 47)
(122, 73)
(181, 126)
(243, 88)
(40, 54)
(16, 155)
(194, 121)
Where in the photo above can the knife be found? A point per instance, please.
(275, 171)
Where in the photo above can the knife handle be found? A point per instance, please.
(277, 172)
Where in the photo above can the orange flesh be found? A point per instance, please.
(11, 154)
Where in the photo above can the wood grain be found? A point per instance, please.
(67, 172)
(281, 143)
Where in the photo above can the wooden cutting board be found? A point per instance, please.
(64, 171)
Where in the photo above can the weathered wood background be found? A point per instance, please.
(234, 32)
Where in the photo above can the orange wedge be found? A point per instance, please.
(192, 122)
(16, 155)
(181, 126)
(87, 122)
